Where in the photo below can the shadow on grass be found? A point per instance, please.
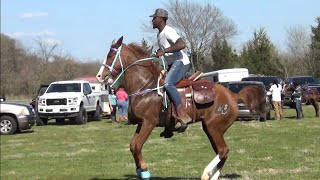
(131, 177)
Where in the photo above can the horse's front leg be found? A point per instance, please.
(141, 135)
(214, 129)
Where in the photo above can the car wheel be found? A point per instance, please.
(8, 125)
(82, 116)
(263, 118)
(97, 114)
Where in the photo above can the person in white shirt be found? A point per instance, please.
(276, 90)
(171, 47)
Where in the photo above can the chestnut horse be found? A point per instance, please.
(309, 95)
(145, 108)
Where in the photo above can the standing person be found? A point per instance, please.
(296, 96)
(113, 104)
(276, 90)
(171, 46)
(122, 103)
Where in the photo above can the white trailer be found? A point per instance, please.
(224, 76)
(103, 90)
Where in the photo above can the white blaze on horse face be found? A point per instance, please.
(100, 76)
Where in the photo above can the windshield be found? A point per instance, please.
(304, 80)
(72, 87)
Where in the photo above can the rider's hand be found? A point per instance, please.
(159, 52)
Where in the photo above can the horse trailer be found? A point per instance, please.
(224, 76)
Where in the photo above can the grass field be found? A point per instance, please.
(287, 149)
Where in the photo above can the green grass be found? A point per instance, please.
(287, 149)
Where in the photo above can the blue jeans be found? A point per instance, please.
(298, 108)
(175, 74)
(122, 107)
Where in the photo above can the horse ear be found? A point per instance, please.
(113, 42)
(119, 42)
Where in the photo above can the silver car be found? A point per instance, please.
(244, 112)
(15, 117)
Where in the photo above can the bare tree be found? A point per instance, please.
(298, 42)
(46, 50)
(199, 25)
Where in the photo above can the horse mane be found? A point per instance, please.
(141, 52)
(138, 51)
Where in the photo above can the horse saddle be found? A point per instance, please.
(200, 90)
(203, 91)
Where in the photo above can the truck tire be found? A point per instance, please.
(97, 114)
(44, 121)
(82, 116)
(39, 121)
(8, 125)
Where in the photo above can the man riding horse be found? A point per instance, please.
(170, 47)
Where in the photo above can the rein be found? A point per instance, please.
(118, 56)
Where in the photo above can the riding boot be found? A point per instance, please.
(184, 119)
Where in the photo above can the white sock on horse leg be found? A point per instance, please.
(213, 163)
(216, 175)
(211, 168)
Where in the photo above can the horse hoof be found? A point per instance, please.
(166, 134)
(144, 175)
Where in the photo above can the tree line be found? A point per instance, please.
(23, 71)
(207, 33)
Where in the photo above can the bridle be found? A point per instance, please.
(123, 69)
(111, 68)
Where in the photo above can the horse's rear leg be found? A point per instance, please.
(142, 133)
(220, 147)
(316, 106)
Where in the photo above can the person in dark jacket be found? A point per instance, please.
(296, 97)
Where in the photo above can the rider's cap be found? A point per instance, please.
(160, 13)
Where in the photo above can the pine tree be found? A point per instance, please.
(222, 55)
(315, 47)
(259, 55)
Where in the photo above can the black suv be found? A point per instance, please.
(310, 81)
(244, 112)
(266, 80)
(303, 81)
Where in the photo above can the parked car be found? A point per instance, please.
(102, 89)
(15, 117)
(244, 112)
(73, 100)
(266, 80)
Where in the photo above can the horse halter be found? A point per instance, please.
(111, 68)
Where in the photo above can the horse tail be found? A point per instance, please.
(254, 98)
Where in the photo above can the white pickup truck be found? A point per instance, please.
(73, 100)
